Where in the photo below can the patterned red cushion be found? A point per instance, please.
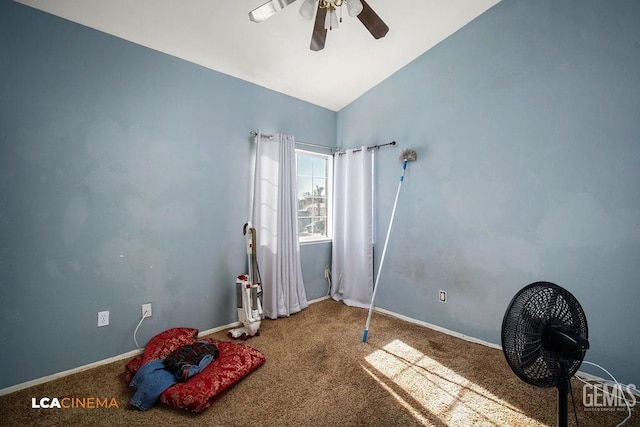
(165, 342)
(131, 368)
(159, 347)
(234, 362)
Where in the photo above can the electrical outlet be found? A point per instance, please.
(442, 297)
(146, 310)
(326, 273)
(103, 318)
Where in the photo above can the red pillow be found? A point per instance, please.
(165, 342)
(234, 362)
(159, 347)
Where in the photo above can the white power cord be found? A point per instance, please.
(327, 275)
(619, 385)
(144, 316)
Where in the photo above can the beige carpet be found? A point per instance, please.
(318, 372)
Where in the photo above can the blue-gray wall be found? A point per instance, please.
(526, 123)
(315, 258)
(124, 179)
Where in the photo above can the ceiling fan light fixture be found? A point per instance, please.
(331, 20)
(326, 17)
(307, 9)
(354, 7)
(268, 9)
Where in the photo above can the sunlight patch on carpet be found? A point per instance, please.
(418, 380)
(407, 405)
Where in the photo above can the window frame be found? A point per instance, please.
(329, 196)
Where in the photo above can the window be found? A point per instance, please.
(314, 195)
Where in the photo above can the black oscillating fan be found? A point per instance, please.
(545, 337)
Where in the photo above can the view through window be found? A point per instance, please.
(314, 195)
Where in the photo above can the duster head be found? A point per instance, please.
(408, 155)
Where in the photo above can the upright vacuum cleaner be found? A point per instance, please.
(249, 292)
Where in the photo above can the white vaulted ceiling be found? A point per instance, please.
(275, 53)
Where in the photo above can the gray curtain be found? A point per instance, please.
(275, 219)
(352, 255)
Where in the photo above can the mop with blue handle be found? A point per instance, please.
(406, 156)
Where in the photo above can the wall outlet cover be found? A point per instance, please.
(442, 296)
(146, 310)
(103, 318)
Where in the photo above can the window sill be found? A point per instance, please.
(315, 241)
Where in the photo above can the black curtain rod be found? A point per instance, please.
(253, 134)
(373, 147)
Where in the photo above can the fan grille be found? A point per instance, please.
(536, 307)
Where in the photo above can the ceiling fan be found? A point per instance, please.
(326, 16)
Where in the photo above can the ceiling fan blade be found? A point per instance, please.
(319, 31)
(268, 9)
(372, 21)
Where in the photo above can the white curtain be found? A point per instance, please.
(275, 219)
(352, 257)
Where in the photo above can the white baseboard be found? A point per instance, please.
(58, 375)
(134, 353)
(126, 355)
(581, 374)
(218, 329)
(438, 328)
(313, 301)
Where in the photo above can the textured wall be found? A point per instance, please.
(124, 176)
(526, 127)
